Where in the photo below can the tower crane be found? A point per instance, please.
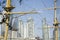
(56, 23)
(8, 8)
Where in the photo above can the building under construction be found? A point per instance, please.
(14, 28)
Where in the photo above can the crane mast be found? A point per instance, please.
(8, 9)
(55, 21)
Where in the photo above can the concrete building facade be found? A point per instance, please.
(45, 30)
(21, 29)
(30, 28)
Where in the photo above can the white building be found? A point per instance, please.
(45, 30)
(21, 29)
(25, 30)
(14, 35)
(30, 28)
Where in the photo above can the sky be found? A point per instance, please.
(28, 5)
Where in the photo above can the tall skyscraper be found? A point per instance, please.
(14, 28)
(21, 29)
(25, 30)
(30, 28)
(15, 24)
(45, 30)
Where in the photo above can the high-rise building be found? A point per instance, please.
(25, 30)
(30, 28)
(45, 30)
(21, 29)
(15, 24)
(13, 32)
